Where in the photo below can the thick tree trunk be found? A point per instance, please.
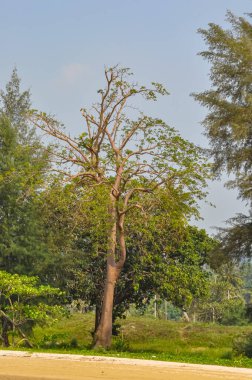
(103, 334)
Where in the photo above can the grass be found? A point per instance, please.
(147, 338)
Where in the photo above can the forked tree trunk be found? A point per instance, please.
(103, 334)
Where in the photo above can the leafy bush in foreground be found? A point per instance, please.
(23, 304)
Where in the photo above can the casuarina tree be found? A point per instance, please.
(228, 124)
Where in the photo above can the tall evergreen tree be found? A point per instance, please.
(228, 124)
(14, 104)
(22, 167)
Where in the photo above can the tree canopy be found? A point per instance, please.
(228, 122)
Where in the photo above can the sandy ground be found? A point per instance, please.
(38, 366)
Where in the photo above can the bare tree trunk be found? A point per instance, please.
(185, 315)
(5, 337)
(213, 314)
(165, 310)
(98, 310)
(103, 333)
(155, 306)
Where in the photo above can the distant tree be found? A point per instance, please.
(14, 105)
(224, 303)
(235, 241)
(186, 268)
(23, 168)
(131, 159)
(228, 124)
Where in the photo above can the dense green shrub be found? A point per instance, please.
(242, 345)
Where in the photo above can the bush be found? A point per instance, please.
(120, 344)
(59, 340)
(234, 313)
(242, 345)
(24, 304)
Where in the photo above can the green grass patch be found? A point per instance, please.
(147, 338)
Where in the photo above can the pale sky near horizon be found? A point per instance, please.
(60, 48)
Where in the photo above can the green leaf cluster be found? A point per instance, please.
(24, 303)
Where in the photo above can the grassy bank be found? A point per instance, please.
(146, 338)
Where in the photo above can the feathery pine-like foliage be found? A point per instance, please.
(23, 167)
(228, 123)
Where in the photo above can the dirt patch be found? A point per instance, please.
(38, 366)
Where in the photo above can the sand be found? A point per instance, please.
(17, 365)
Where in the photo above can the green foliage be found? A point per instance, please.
(147, 338)
(58, 340)
(59, 231)
(187, 277)
(14, 105)
(164, 256)
(172, 312)
(224, 303)
(228, 123)
(120, 344)
(23, 167)
(139, 163)
(242, 345)
(235, 241)
(168, 264)
(75, 233)
(149, 153)
(24, 303)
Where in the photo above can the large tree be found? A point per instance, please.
(132, 156)
(228, 124)
(158, 247)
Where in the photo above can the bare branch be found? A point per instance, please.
(49, 129)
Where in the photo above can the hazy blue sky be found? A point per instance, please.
(60, 48)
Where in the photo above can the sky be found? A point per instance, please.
(60, 48)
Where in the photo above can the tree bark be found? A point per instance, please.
(103, 334)
(98, 311)
(5, 328)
